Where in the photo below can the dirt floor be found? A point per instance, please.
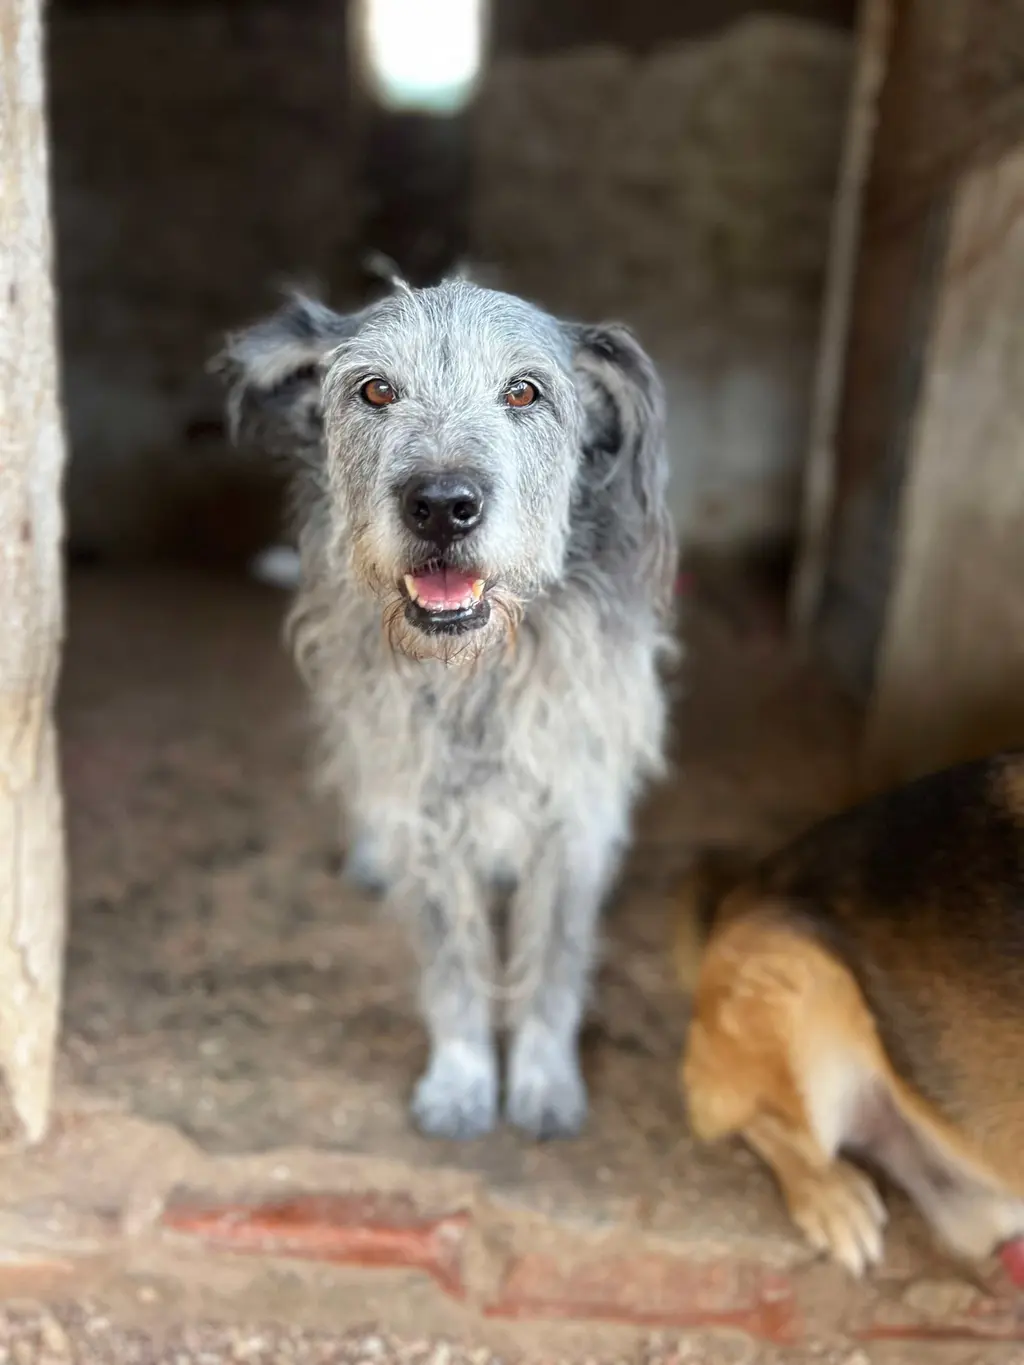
(33, 1335)
(235, 1015)
(221, 977)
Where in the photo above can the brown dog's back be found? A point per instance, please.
(921, 894)
(897, 930)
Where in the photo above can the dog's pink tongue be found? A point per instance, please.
(445, 588)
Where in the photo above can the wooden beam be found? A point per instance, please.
(32, 890)
(938, 226)
(950, 677)
(874, 32)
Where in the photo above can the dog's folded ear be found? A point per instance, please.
(625, 471)
(272, 372)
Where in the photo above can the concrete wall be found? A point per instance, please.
(689, 193)
(198, 159)
(200, 156)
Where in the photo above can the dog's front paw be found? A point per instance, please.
(546, 1094)
(457, 1096)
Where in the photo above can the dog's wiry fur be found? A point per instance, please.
(506, 758)
(863, 992)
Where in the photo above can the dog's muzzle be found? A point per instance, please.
(442, 600)
(441, 509)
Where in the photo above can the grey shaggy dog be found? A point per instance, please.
(487, 566)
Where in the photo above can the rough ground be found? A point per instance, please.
(31, 1334)
(222, 978)
(86, 1336)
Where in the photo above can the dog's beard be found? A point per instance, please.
(438, 609)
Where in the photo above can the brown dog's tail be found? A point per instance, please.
(712, 876)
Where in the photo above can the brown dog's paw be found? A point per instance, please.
(841, 1213)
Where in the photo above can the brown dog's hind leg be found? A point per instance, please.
(964, 1199)
(782, 1051)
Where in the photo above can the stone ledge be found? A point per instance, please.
(651, 1290)
(500, 1268)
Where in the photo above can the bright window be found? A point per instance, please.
(421, 55)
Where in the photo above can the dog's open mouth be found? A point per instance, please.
(445, 601)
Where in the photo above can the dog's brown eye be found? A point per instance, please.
(521, 394)
(378, 393)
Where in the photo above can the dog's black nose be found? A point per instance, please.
(442, 507)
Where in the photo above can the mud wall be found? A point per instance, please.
(200, 155)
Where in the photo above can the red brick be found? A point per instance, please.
(358, 1229)
(651, 1290)
(981, 1308)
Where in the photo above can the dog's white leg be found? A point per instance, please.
(457, 1096)
(554, 931)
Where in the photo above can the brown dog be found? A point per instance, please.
(863, 991)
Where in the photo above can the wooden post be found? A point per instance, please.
(950, 673)
(32, 878)
(874, 32)
(912, 574)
